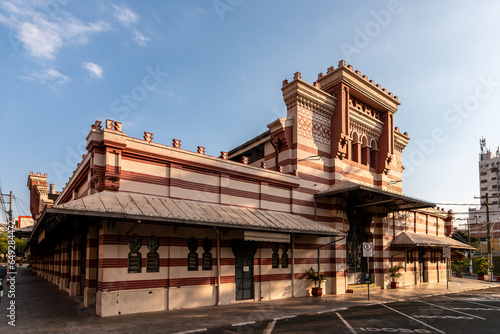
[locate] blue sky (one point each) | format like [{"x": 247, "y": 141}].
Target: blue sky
[{"x": 210, "y": 72}]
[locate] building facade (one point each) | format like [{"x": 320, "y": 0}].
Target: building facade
[
  {"x": 489, "y": 184},
  {"x": 143, "y": 226}
]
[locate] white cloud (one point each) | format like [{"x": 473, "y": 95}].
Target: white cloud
[
  {"x": 43, "y": 36},
  {"x": 128, "y": 18},
  {"x": 140, "y": 38},
  {"x": 94, "y": 69},
  {"x": 125, "y": 15},
  {"x": 47, "y": 76}
]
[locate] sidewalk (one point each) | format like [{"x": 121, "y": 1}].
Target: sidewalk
[{"x": 43, "y": 308}]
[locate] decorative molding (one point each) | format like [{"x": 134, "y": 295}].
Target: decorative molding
[
  {"x": 364, "y": 108},
  {"x": 176, "y": 143},
  {"x": 313, "y": 126},
  {"x": 148, "y": 136},
  {"x": 201, "y": 150},
  {"x": 355, "y": 124}
]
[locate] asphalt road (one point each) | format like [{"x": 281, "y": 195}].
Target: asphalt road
[{"x": 472, "y": 312}]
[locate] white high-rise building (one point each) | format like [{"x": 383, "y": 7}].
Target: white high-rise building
[{"x": 489, "y": 186}]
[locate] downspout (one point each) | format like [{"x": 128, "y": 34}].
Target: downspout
[
  {"x": 293, "y": 262},
  {"x": 218, "y": 267}
]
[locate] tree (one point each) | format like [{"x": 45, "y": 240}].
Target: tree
[
  {"x": 462, "y": 236},
  {"x": 3, "y": 245}
]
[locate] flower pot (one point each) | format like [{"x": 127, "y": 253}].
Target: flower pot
[
  {"x": 458, "y": 274},
  {"x": 394, "y": 285},
  {"x": 317, "y": 292},
  {"x": 482, "y": 277}
]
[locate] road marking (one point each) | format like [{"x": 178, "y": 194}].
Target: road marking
[
  {"x": 243, "y": 323},
  {"x": 346, "y": 323},
  {"x": 270, "y": 327},
  {"x": 332, "y": 310},
  {"x": 467, "y": 301},
  {"x": 408, "y": 316},
  {"x": 193, "y": 331},
  {"x": 285, "y": 317},
  {"x": 450, "y": 309}
]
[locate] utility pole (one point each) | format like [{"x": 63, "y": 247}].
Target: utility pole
[
  {"x": 488, "y": 238},
  {"x": 10, "y": 219},
  {"x": 470, "y": 250}
]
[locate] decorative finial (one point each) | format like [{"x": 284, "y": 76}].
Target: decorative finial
[{"x": 148, "y": 136}]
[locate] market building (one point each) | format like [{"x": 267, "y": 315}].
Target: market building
[{"x": 143, "y": 226}]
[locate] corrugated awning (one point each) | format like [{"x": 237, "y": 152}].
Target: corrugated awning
[
  {"x": 376, "y": 197},
  {"x": 121, "y": 205},
  {"x": 409, "y": 239}
]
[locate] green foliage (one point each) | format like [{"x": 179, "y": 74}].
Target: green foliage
[
  {"x": 460, "y": 265},
  {"x": 481, "y": 265},
  {"x": 20, "y": 244},
  {"x": 314, "y": 276},
  {"x": 394, "y": 273},
  {"x": 3, "y": 244}
]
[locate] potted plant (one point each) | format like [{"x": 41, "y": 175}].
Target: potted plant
[
  {"x": 458, "y": 267},
  {"x": 317, "y": 279},
  {"x": 394, "y": 274},
  {"x": 482, "y": 269}
]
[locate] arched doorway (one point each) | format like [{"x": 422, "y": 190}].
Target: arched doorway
[{"x": 359, "y": 220}]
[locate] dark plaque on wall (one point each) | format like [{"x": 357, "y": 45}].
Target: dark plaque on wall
[
  {"x": 153, "y": 262},
  {"x": 134, "y": 262}
]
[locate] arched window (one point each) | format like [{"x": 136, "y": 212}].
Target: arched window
[
  {"x": 275, "y": 257},
  {"x": 356, "y": 147},
  {"x": 284, "y": 256},
  {"x": 207, "y": 255},
  {"x": 134, "y": 257},
  {"x": 153, "y": 259},
  {"x": 373, "y": 154},
  {"x": 192, "y": 256},
  {"x": 365, "y": 151}
]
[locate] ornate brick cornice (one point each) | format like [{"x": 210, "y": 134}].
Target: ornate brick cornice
[
  {"x": 300, "y": 93},
  {"x": 400, "y": 140},
  {"x": 363, "y": 124}
]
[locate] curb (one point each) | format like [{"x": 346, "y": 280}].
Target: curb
[{"x": 203, "y": 329}]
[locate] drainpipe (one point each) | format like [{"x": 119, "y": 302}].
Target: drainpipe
[
  {"x": 218, "y": 267},
  {"x": 293, "y": 263}
]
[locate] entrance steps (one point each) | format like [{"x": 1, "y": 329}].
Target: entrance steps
[{"x": 362, "y": 288}]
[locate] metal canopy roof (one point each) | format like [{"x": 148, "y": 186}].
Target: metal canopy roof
[
  {"x": 121, "y": 205},
  {"x": 376, "y": 197},
  {"x": 409, "y": 239}
]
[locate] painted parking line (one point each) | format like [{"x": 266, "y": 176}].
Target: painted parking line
[
  {"x": 332, "y": 310},
  {"x": 270, "y": 327},
  {"x": 468, "y": 301},
  {"x": 193, "y": 331},
  {"x": 346, "y": 323},
  {"x": 243, "y": 323},
  {"x": 414, "y": 319},
  {"x": 452, "y": 310}
]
